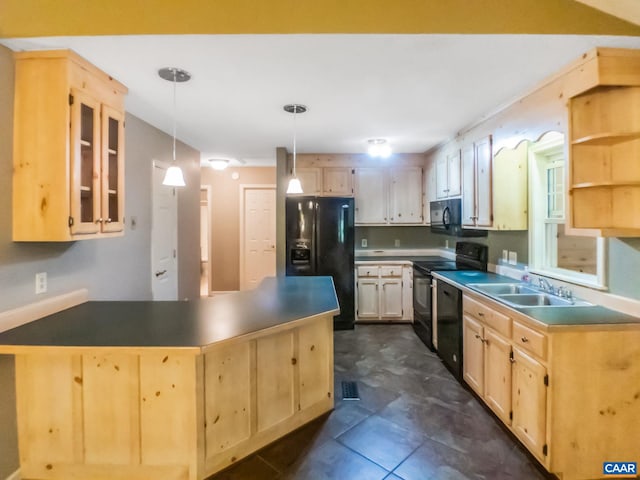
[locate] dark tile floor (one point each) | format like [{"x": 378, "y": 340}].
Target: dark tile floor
[{"x": 413, "y": 422}]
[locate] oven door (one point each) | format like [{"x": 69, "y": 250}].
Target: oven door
[{"x": 422, "y": 315}]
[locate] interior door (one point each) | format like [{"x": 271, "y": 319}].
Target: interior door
[
  {"x": 164, "y": 239},
  {"x": 259, "y": 238}
]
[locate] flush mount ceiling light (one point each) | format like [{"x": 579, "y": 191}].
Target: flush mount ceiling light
[
  {"x": 218, "y": 163},
  {"x": 174, "y": 176},
  {"x": 294, "y": 182},
  {"x": 379, "y": 147}
]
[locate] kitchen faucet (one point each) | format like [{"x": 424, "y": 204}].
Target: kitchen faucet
[{"x": 545, "y": 285}]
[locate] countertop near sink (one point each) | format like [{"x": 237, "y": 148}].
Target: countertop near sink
[
  {"x": 549, "y": 315},
  {"x": 396, "y": 258}
]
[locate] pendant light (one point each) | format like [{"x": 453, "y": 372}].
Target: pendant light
[
  {"x": 174, "y": 176},
  {"x": 294, "y": 182}
]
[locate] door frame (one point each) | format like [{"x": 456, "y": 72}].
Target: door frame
[
  {"x": 209, "y": 191},
  {"x": 164, "y": 166},
  {"x": 243, "y": 188}
]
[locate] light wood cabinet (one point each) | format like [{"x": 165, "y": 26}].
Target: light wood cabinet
[
  {"x": 555, "y": 389},
  {"x": 337, "y": 181},
  {"x": 370, "y": 190},
  {"x": 511, "y": 382},
  {"x": 476, "y": 184},
  {"x": 382, "y": 294},
  {"x": 388, "y": 196},
  {"x": 473, "y": 354},
  {"x": 486, "y": 358},
  {"x": 530, "y": 402},
  {"x": 604, "y": 166},
  {"x": 448, "y": 175},
  {"x": 405, "y": 195},
  {"x": 183, "y": 412},
  {"x": 311, "y": 180},
  {"x": 510, "y": 189},
  {"x": 68, "y": 179}
]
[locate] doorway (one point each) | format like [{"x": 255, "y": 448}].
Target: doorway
[
  {"x": 164, "y": 237},
  {"x": 206, "y": 281},
  {"x": 257, "y": 234}
]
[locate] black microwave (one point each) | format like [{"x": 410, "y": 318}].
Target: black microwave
[{"x": 446, "y": 218}]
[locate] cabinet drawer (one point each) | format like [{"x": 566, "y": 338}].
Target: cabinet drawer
[
  {"x": 499, "y": 322},
  {"x": 391, "y": 271},
  {"x": 368, "y": 271},
  {"x": 496, "y": 320},
  {"x": 529, "y": 339}
]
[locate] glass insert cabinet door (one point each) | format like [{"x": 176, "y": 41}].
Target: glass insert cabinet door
[
  {"x": 85, "y": 164},
  {"x": 112, "y": 205}
]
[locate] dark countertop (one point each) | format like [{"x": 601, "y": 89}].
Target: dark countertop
[
  {"x": 180, "y": 324},
  {"x": 549, "y": 316},
  {"x": 397, "y": 258}
]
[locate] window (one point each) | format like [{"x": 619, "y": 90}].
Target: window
[{"x": 553, "y": 252}]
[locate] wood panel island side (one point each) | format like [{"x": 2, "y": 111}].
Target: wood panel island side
[{"x": 171, "y": 390}]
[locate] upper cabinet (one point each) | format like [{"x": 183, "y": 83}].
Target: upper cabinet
[
  {"x": 448, "y": 182},
  {"x": 604, "y": 173},
  {"x": 311, "y": 180},
  {"x": 405, "y": 195},
  {"x": 370, "y": 189},
  {"x": 68, "y": 149},
  {"x": 337, "y": 181},
  {"x": 476, "y": 184},
  {"x": 604, "y": 147},
  {"x": 388, "y": 196}
]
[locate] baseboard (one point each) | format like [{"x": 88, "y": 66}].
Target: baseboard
[{"x": 14, "y": 476}]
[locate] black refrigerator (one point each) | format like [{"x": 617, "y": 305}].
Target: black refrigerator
[{"x": 320, "y": 241}]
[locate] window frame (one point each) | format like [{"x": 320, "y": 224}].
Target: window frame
[{"x": 541, "y": 157}]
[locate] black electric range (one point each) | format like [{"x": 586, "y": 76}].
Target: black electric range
[{"x": 469, "y": 256}]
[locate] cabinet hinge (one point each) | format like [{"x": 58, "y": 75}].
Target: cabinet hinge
[
  {"x": 546, "y": 380},
  {"x": 511, "y": 415},
  {"x": 71, "y": 221},
  {"x": 70, "y": 99},
  {"x": 544, "y": 449}
]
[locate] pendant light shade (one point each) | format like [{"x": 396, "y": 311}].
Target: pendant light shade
[
  {"x": 174, "y": 176},
  {"x": 294, "y": 187}
]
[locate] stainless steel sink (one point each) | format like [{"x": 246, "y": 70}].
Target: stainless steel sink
[
  {"x": 502, "y": 288},
  {"x": 524, "y": 295}
]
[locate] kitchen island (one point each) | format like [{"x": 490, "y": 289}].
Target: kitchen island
[{"x": 171, "y": 390}]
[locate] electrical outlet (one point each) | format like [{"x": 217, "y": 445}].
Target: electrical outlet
[
  {"x": 41, "y": 282},
  {"x": 364, "y": 243},
  {"x": 397, "y": 243},
  {"x": 505, "y": 255},
  {"x": 513, "y": 258}
]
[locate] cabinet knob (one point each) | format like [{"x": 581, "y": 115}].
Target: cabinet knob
[
  {"x": 108, "y": 220},
  {"x": 99, "y": 220},
  {"x": 480, "y": 314},
  {"x": 524, "y": 339}
]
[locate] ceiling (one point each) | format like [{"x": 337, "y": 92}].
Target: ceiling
[{"x": 416, "y": 90}]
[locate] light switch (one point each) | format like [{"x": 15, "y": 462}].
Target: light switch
[
  {"x": 505, "y": 255},
  {"x": 513, "y": 258},
  {"x": 364, "y": 243}
]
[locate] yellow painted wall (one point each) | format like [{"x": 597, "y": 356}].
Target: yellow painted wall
[{"x": 28, "y": 18}]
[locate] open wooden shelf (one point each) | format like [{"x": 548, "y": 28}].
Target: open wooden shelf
[{"x": 606, "y": 138}]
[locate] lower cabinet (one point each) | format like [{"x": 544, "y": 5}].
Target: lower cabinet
[
  {"x": 381, "y": 293},
  {"x": 570, "y": 394},
  {"x": 511, "y": 381}
]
